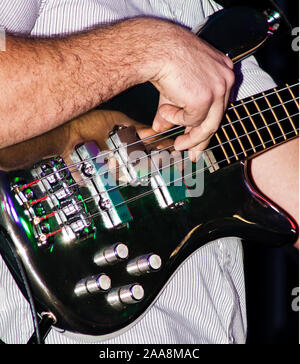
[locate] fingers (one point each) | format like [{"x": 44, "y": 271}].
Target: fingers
[
  {"x": 201, "y": 122},
  {"x": 204, "y": 131},
  {"x": 200, "y": 126},
  {"x": 174, "y": 115},
  {"x": 197, "y": 138},
  {"x": 195, "y": 86},
  {"x": 160, "y": 124}
]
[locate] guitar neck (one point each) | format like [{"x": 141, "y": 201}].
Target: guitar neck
[{"x": 255, "y": 124}]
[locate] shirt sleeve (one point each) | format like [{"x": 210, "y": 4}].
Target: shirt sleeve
[
  {"x": 19, "y": 16},
  {"x": 250, "y": 79}
]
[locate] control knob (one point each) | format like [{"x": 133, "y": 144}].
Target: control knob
[
  {"x": 126, "y": 295},
  {"x": 112, "y": 255},
  {"x": 144, "y": 264},
  {"x": 93, "y": 284}
]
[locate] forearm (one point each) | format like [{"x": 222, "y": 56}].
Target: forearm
[
  {"x": 61, "y": 141},
  {"x": 45, "y": 83}
]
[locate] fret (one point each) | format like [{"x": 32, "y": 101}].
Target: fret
[
  {"x": 239, "y": 130},
  {"x": 254, "y": 125},
  {"x": 293, "y": 96},
  {"x": 271, "y": 131},
  {"x": 274, "y": 115},
  {"x": 215, "y": 154},
  {"x": 210, "y": 160},
  {"x": 223, "y": 148},
  {"x": 236, "y": 134},
  {"x": 243, "y": 126},
  {"x": 264, "y": 120},
  {"x": 259, "y": 132},
  {"x": 279, "y": 111},
  {"x": 286, "y": 111},
  {"x": 230, "y": 143}
]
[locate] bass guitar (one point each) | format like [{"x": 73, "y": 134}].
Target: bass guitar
[{"x": 98, "y": 243}]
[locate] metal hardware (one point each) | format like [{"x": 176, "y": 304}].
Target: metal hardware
[
  {"x": 52, "y": 205},
  {"x": 142, "y": 167},
  {"x": 273, "y": 18},
  {"x": 131, "y": 294},
  {"x": 87, "y": 169},
  {"x": 145, "y": 264},
  {"x": 112, "y": 255},
  {"x": 47, "y": 321},
  {"x": 130, "y": 153},
  {"x": 126, "y": 295},
  {"x": 101, "y": 182},
  {"x": 93, "y": 284}
]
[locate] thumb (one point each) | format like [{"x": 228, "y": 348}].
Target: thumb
[
  {"x": 160, "y": 123},
  {"x": 167, "y": 116},
  {"x": 173, "y": 115}
]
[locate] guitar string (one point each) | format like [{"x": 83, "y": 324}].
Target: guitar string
[
  {"x": 81, "y": 163},
  {"x": 187, "y": 158},
  {"x": 182, "y": 127},
  {"x": 116, "y": 169},
  {"x": 221, "y": 126},
  {"x": 142, "y": 195},
  {"x": 107, "y": 153},
  {"x": 90, "y": 217},
  {"x": 261, "y": 97},
  {"x": 120, "y": 186},
  {"x": 159, "y": 151}
]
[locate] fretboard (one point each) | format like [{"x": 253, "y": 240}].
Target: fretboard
[{"x": 255, "y": 124}]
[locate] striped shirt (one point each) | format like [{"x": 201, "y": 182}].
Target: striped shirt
[{"x": 205, "y": 300}]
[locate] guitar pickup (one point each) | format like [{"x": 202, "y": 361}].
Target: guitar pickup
[
  {"x": 143, "y": 166},
  {"x": 167, "y": 181},
  {"x": 131, "y": 155}
]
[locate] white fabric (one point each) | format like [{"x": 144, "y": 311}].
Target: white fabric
[{"x": 205, "y": 300}]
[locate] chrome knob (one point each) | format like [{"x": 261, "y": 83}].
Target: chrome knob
[
  {"x": 126, "y": 295},
  {"x": 93, "y": 284},
  {"x": 131, "y": 293},
  {"x": 112, "y": 255},
  {"x": 145, "y": 264}
]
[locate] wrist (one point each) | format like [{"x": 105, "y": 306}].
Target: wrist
[{"x": 151, "y": 42}]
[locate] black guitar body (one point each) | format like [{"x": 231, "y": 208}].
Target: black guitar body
[{"x": 230, "y": 206}]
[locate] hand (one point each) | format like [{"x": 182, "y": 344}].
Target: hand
[{"x": 195, "y": 85}]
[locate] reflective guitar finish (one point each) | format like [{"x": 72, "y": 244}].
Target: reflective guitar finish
[{"x": 57, "y": 269}]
